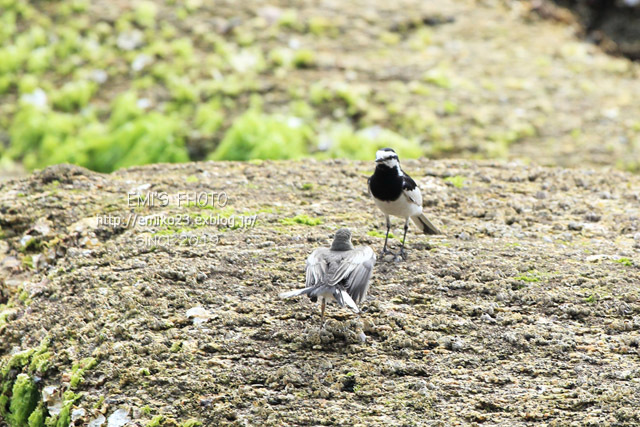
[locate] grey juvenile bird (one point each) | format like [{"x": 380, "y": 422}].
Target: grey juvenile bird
[
  {"x": 395, "y": 193},
  {"x": 340, "y": 273}
]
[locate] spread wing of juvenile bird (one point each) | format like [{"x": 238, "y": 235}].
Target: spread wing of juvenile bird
[
  {"x": 317, "y": 267},
  {"x": 344, "y": 274},
  {"x": 355, "y": 271}
]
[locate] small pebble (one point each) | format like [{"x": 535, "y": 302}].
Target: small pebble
[
  {"x": 464, "y": 236},
  {"x": 592, "y": 217},
  {"x": 575, "y": 226},
  {"x": 326, "y": 364},
  {"x": 540, "y": 195},
  {"x": 486, "y": 318},
  {"x": 362, "y": 337},
  {"x": 456, "y": 345}
]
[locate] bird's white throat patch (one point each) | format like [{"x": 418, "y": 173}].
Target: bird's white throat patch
[{"x": 389, "y": 159}]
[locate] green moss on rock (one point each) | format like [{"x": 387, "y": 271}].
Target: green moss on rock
[
  {"x": 79, "y": 369},
  {"x": 255, "y": 135},
  {"x": 24, "y": 400},
  {"x": 301, "y": 219},
  {"x": 64, "y": 419},
  {"x": 37, "y": 417},
  {"x": 17, "y": 361},
  {"x": 156, "y": 421}
]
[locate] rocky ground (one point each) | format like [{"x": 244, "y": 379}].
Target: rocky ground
[
  {"x": 474, "y": 79},
  {"x": 526, "y": 311}
]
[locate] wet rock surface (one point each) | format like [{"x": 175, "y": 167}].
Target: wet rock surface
[{"x": 526, "y": 311}]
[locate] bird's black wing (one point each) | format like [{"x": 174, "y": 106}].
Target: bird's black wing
[
  {"x": 407, "y": 182},
  {"x": 411, "y": 190},
  {"x": 355, "y": 271}
]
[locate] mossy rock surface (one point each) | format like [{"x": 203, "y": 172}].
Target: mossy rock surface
[{"x": 524, "y": 311}]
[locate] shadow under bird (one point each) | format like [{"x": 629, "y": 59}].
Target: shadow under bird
[
  {"x": 340, "y": 273},
  {"x": 396, "y": 194}
]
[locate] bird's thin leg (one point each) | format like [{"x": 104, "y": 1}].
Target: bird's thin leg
[
  {"x": 384, "y": 249},
  {"x": 322, "y": 314},
  {"x": 406, "y": 227}
]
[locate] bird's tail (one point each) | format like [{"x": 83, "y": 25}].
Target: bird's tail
[
  {"x": 295, "y": 293},
  {"x": 343, "y": 298},
  {"x": 424, "y": 224}
]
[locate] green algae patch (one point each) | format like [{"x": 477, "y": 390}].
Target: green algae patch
[
  {"x": 457, "y": 181},
  {"x": 530, "y": 277},
  {"x": 41, "y": 358},
  {"x": 24, "y": 399},
  {"x": 17, "y": 361},
  {"x": 19, "y": 396},
  {"x": 5, "y": 312},
  {"x": 301, "y": 219},
  {"x": 156, "y": 421},
  {"x": 64, "y": 418},
  {"x": 625, "y": 261},
  {"x": 79, "y": 369},
  {"x": 38, "y": 416},
  {"x": 380, "y": 235},
  {"x": 255, "y": 135}
]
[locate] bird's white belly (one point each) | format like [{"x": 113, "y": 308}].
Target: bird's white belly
[{"x": 401, "y": 207}]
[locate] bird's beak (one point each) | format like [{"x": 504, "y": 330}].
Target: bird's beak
[{"x": 380, "y": 160}]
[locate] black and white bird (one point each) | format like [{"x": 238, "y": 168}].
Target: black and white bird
[
  {"x": 340, "y": 273},
  {"x": 396, "y": 194}
]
